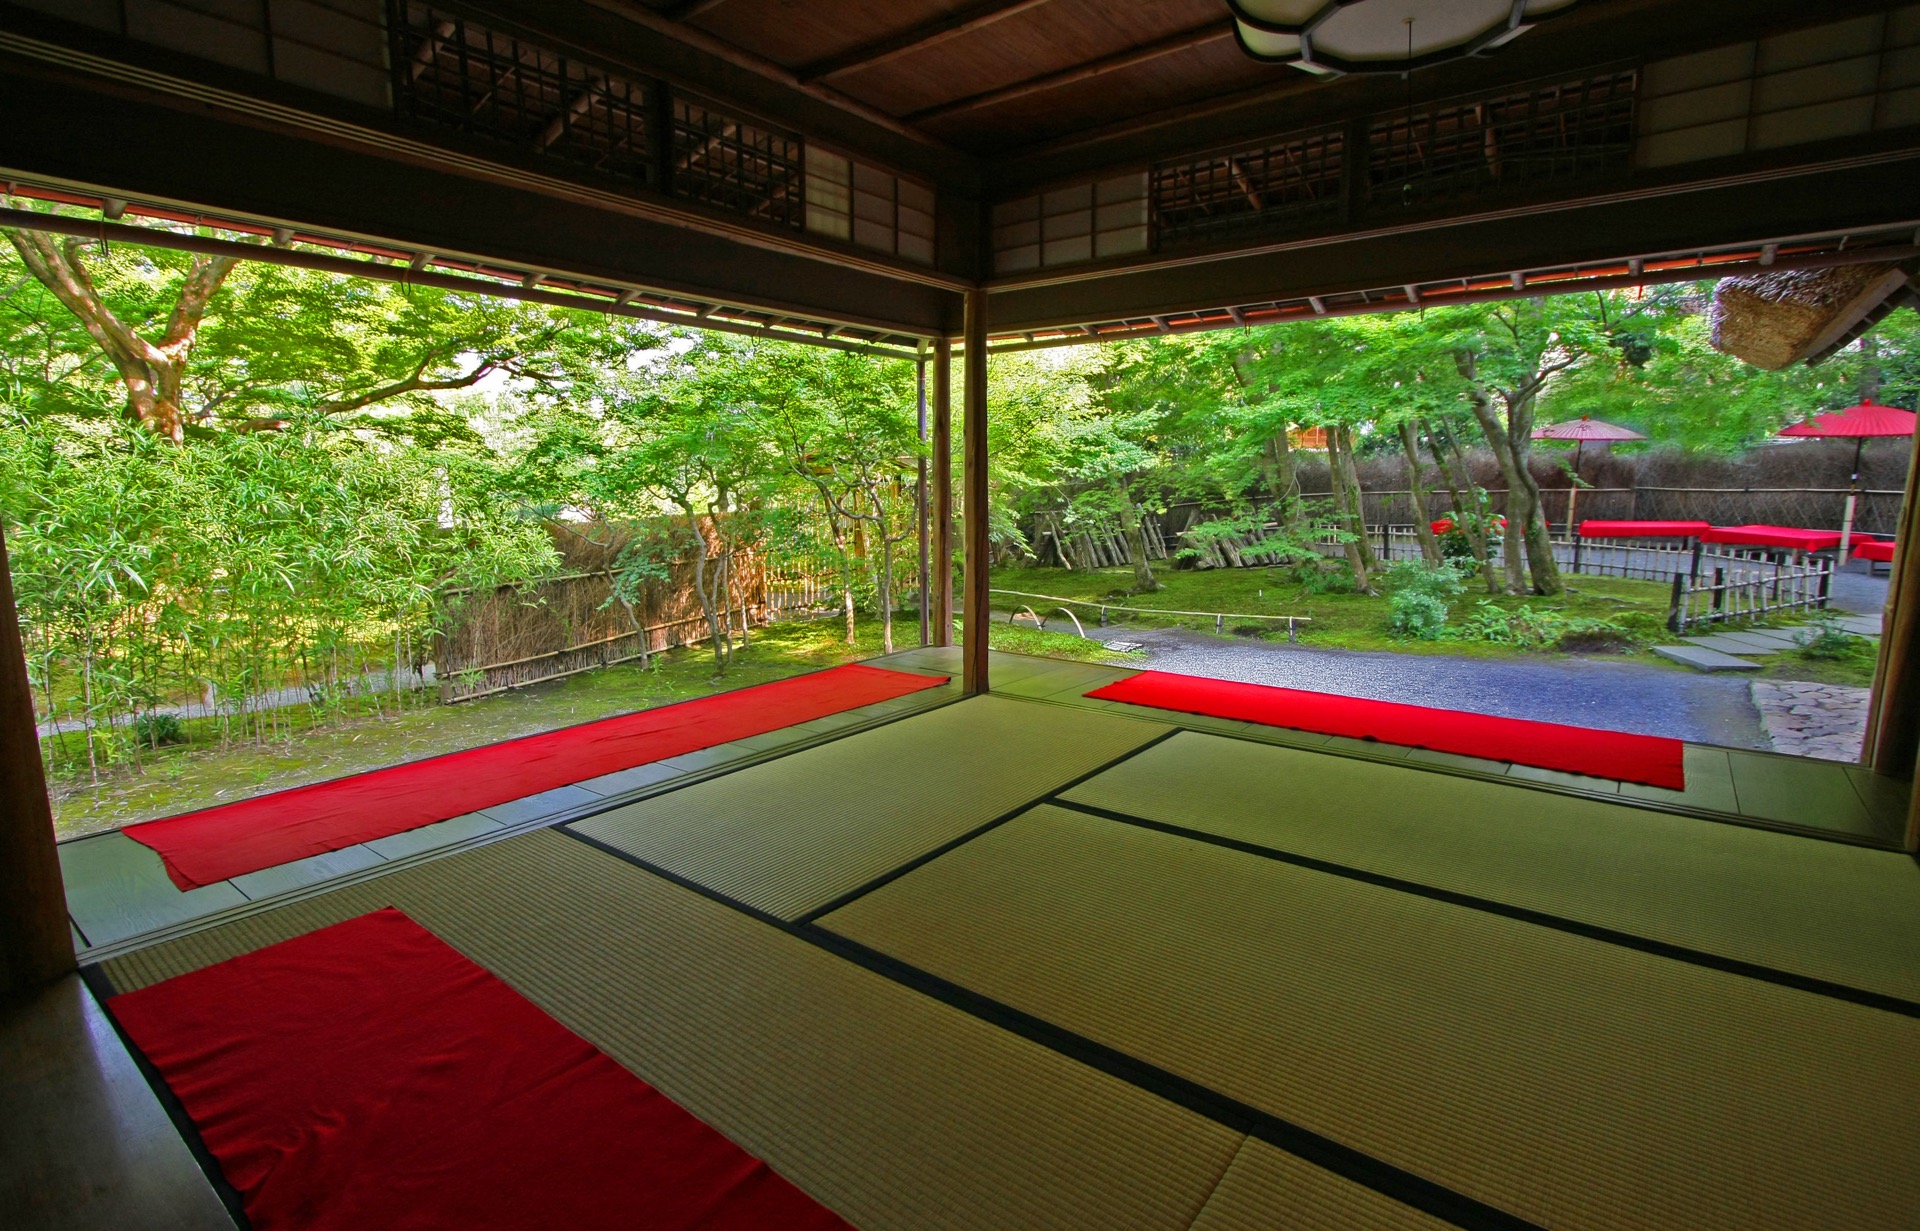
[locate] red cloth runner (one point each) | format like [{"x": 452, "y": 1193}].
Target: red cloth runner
[
  {"x": 1874, "y": 549},
  {"x": 201, "y": 848},
  {"x": 1784, "y": 537},
  {"x": 1651, "y": 759},
  {"x": 1643, "y": 529},
  {"x": 368, "y": 1076}
]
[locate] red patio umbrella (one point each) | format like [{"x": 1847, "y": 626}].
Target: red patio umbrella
[
  {"x": 1580, "y": 431},
  {"x": 1862, "y": 423}
]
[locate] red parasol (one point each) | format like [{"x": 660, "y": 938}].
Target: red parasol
[
  {"x": 1580, "y": 431},
  {"x": 1860, "y": 423},
  {"x": 1588, "y": 428}
]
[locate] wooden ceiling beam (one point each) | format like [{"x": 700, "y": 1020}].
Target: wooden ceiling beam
[
  {"x": 694, "y": 8},
  {"x": 1186, "y": 40},
  {"x": 932, "y": 34}
]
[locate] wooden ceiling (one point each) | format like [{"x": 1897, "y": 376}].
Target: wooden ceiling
[{"x": 988, "y": 76}]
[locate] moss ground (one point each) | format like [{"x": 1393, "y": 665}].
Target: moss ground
[{"x": 1339, "y": 621}]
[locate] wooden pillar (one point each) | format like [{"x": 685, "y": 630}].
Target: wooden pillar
[
  {"x": 35, "y": 945},
  {"x": 942, "y": 492},
  {"x": 920, "y": 500},
  {"x": 1893, "y": 708},
  {"x": 973, "y": 469}
]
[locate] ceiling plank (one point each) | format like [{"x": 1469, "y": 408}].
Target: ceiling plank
[
  {"x": 694, "y": 8},
  {"x": 932, "y": 34},
  {"x": 1186, "y": 40}
]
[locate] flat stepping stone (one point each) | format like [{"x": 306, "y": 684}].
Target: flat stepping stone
[
  {"x": 1783, "y": 637},
  {"x": 1861, "y": 626},
  {"x": 1725, "y": 643},
  {"x": 1702, "y": 659},
  {"x": 1755, "y": 643}
]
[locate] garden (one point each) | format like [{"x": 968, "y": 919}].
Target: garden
[{"x": 251, "y": 508}]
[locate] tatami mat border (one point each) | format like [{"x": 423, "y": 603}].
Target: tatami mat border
[{"x": 860, "y": 891}]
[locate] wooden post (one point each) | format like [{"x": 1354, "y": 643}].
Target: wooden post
[
  {"x": 35, "y": 945},
  {"x": 973, "y": 465},
  {"x": 942, "y": 492},
  {"x": 920, "y": 501},
  {"x": 1893, "y": 707}
]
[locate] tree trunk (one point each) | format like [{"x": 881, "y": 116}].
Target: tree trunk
[
  {"x": 1422, "y": 524},
  {"x": 1470, "y": 507},
  {"x": 884, "y": 587},
  {"x": 1347, "y": 499},
  {"x": 1513, "y": 540},
  {"x": 721, "y": 648},
  {"x": 1283, "y": 483},
  {"x": 150, "y": 372},
  {"x": 1136, "y": 536},
  {"x": 1541, "y": 566}
]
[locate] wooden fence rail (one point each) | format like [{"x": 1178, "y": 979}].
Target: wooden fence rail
[{"x": 1748, "y": 589}]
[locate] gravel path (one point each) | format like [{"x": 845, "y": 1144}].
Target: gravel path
[{"x": 1584, "y": 691}]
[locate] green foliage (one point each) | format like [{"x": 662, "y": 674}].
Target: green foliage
[
  {"x": 156, "y": 729},
  {"x": 1418, "y": 598},
  {"x": 1823, "y": 640},
  {"x": 1539, "y": 627},
  {"x": 1422, "y": 617}
]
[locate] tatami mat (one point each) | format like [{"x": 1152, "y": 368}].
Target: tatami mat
[
  {"x": 794, "y": 834},
  {"x": 1268, "y": 1189},
  {"x": 1569, "y": 1081},
  {"x": 1827, "y": 910},
  {"x": 893, "y": 1109}
]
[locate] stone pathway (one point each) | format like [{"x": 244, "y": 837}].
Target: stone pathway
[{"x": 1812, "y": 720}]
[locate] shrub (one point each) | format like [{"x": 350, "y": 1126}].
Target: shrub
[
  {"x": 1825, "y": 640},
  {"x": 153, "y": 730},
  {"x": 1417, "y": 607},
  {"x": 1538, "y": 627},
  {"x": 1422, "y": 617}
]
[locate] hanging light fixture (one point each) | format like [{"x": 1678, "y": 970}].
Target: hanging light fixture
[{"x": 1331, "y": 37}]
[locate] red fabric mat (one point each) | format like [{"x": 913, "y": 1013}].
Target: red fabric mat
[
  {"x": 368, "y": 1076},
  {"x": 1545, "y": 745},
  {"x": 1787, "y": 538},
  {"x": 1877, "y": 550},
  {"x": 201, "y": 848},
  {"x": 1643, "y": 529}
]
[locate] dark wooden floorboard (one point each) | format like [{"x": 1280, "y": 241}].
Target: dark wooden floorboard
[{"x": 84, "y": 1144}]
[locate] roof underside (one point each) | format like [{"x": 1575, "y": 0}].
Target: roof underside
[{"x": 1103, "y": 170}]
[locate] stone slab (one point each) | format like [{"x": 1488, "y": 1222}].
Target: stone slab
[{"x": 1702, "y": 659}]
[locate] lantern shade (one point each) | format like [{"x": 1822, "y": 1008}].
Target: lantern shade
[
  {"x": 1331, "y": 37},
  {"x": 1585, "y": 428},
  {"x": 1864, "y": 421}
]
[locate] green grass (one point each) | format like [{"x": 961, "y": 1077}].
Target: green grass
[
  {"x": 1047, "y": 643},
  {"x": 1855, "y": 670},
  {"x": 1339, "y": 621},
  {"x": 198, "y": 775}
]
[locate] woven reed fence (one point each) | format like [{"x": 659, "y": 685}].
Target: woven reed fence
[
  {"x": 566, "y": 624},
  {"x": 1813, "y": 508}
]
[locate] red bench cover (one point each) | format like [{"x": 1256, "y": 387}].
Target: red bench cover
[
  {"x": 1445, "y": 525},
  {"x": 1874, "y": 549},
  {"x": 1643, "y": 529},
  {"x": 1784, "y": 537},
  {"x": 1651, "y": 759},
  {"x": 214, "y": 844},
  {"x": 369, "y": 1077}
]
